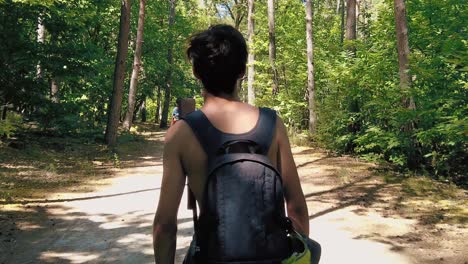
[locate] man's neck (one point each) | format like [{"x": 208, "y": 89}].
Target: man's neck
[{"x": 221, "y": 98}]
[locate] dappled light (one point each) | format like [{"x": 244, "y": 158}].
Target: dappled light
[
  {"x": 371, "y": 96},
  {"x": 353, "y": 213}
]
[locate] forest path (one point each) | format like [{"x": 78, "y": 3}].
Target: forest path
[{"x": 351, "y": 215}]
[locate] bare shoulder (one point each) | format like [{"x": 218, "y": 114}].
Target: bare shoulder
[{"x": 178, "y": 135}]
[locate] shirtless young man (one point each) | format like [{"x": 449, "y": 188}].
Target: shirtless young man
[{"x": 218, "y": 56}]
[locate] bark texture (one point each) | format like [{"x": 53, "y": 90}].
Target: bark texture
[
  {"x": 403, "y": 52},
  {"x": 310, "y": 66},
  {"x": 168, "y": 88},
  {"x": 127, "y": 124},
  {"x": 351, "y": 23},
  {"x": 251, "y": 57},
  {"x": 119, "y": 75},
  {"x": 272, "y": 44}
]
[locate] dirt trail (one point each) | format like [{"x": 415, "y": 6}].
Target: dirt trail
[{"x": 348, "y": 207}]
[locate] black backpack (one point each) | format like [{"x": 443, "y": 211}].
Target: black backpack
[{"x": 242, "y": 218}]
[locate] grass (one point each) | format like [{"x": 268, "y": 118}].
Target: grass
[
  {"x": 430, "y": 201},
  {"x": 33, "y": 164}
]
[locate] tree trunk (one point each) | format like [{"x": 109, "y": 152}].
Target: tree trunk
[
  {"x": 351, "y": 24},
  {"x": 143, "y": 110},
  {"x": 272, "y": 44},
  {"x": 137, "y": 111},
  {"x": 127, "y": 124},
  {"x": 40, "y": 40},
  {"x": 167, "y": 92},
  {"x": 158, "y": 105},
  {"x": 54, "y": 90},
  {"x": 342, "y": 12},
  {"x": 4, "y": 108},
  {"x": 310, "y": 66},
  {"x": 251, "y": 57},
  {"x": 403, "y": 52},
  {"x": 119, "y": 75}
]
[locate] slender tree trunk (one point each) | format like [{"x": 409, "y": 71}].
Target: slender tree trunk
[
  {"x": 119, "y": 75},
  {"x": 310, "y": 65},
  {"x": 403, "y": 52},
  {"x": 158, "y": 105},
  {"x": 127, "y": 124},
  {"x": 351, "y": 24},
  {"x": 54, "y": 90},
  {"x": 137, "y": 111},
  {"x": 4, "y": 107},
  {"x": 272, "y": 44},
  {"x": 167, "y": 92},
  {"x": 342, "y": 13},
  {"x": 358, "y": 14},
  {"x": 251, "y": 57},
  {"x": 143, "y": 110},
  {"x": 40, "y": 40}
]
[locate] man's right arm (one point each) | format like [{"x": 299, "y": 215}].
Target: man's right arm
[
  {"x": 295, "y": 201},
  {"x": 172, "y": 188}
]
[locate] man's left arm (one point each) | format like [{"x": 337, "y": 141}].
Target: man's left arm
[{"x": 172, "y": 187}]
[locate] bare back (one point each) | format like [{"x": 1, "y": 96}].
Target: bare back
[{"x": 236, "y": 118}]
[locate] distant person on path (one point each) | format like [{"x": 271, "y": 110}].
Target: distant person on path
[
  {"x": 220, "y": 148},
  {"x": 175, "y": 113}
]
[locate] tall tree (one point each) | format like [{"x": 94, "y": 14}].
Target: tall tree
[
  {"x": 119, "y": 75},
  {"x": 310, "y": 65},
  {"x": 272, "y": 44},
  {"x": 168, "y": 88},
  {"x": 351, "y": 23},
  {"x": 127, "y": 124},
  {"x": 143, "y": 110},
  {"x": 158, "y": 105},
  {"x": 403, "y": 52},
  {"x": 251, "y": 57},
  {"x": 40, "y": 41},
  {"x": 342, "y": 26}
]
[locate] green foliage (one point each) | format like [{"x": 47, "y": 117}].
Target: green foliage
[
  {"x": 358, "y": 99},
  {"x": 10, "y": 124}
]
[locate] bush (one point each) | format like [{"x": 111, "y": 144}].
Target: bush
[{"x": 10, "y": 124}]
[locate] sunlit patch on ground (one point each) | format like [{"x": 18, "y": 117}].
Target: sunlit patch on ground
[{"x": 70, "y": 257}]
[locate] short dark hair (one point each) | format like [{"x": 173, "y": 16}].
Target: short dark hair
[{"x": 219, "y": 57}]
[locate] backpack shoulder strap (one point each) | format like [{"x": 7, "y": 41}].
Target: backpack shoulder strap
[
  {"x": 265, "y": 130},
  {"x": 211, "y": 138},
  {"x": 200, "y": 126}
]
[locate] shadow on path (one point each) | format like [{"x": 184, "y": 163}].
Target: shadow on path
[{"x": 75, "y": 199}]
